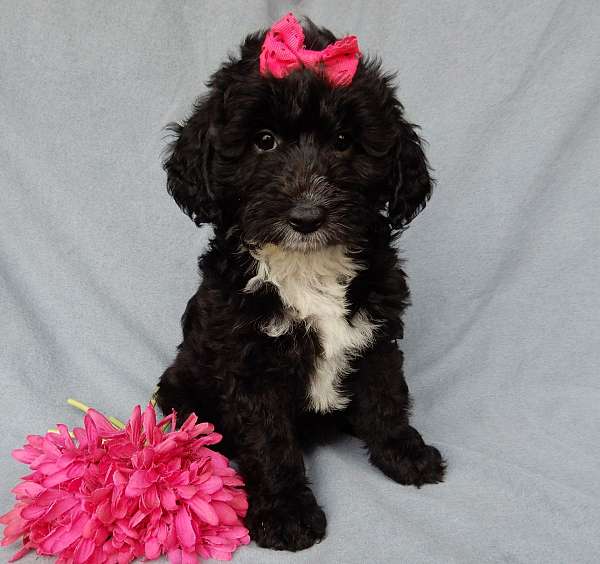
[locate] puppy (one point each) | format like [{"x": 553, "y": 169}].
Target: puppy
[{"x": 301, "y": 158}]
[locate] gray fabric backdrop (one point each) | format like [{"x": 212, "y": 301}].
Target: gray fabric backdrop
[{"x": 502, "y": 341}]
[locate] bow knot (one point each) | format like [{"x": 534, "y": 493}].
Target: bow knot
[{"x": 283, "y": 51}]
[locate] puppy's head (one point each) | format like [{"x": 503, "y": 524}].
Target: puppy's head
[{"x": 295, "y": 161}]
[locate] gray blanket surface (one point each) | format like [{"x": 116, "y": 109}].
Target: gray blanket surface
[{"x": 502, "y": 340}]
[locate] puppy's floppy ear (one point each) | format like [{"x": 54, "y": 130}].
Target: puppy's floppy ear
[
  {"x": 411, "y": 182},
  {"x": 188, "y": 166}
]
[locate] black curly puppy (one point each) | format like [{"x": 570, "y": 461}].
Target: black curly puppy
[{"x": 293, "y": 329}]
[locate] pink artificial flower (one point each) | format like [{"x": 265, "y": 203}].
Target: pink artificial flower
[{"x": 113, "y": 495}]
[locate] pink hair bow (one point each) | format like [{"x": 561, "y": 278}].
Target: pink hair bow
[{"x": 283, "y": 51}]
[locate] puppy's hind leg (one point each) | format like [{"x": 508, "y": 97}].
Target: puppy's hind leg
[{"x": 379, "y": 414}]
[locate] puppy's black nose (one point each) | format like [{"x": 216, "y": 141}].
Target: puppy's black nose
[{"x": 306, "y": 218}]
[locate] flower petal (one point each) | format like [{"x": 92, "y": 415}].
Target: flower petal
[
  {"x": 33, "y": 511},
  {"x": 152, "y": 548},
  {"x": 211, "y": 485},
  {"x": 203, "y": 510},
  {"x": 150, "y": 499},
  {"x": 137, "y": 519},
  {"x": 168, "y": 499},
  {"x": 91, "y": 432},
  {"x": 189, "y": 423},
  {"x": 149, "y": 422},
  {"x": 104, "y": 513},
  {"x": 134, "y": 425},
  {"x": 183, "y": 527},
  {"x": 103, "y": 426},
  {"x": 171, "y": 420},
  {"x": 85, "y": 549},
  {"x": 62, "y": 538},
  {"x": 25, "y": 455},
  {"x": 227, "y": 515},
  {"x": 119, "y": 479},
  {"x": 187, "y": 492},
  {"x": 165, "y": 446},
  {"x": 240, "y": 503},
  {"x": 20, "y": 553},
  {"x": 27, "y": 489},
  {"x": 219, "y": 554},
  {"x": 238, "y": 532},
  {"x": 66, "y": 437},
  {"x": 138, "y": 482},
  {"x": 189, "y": 557}
]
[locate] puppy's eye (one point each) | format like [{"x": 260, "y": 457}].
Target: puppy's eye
[
  {"x": 265, "y": 141},
  {"x": 342, "y": 142}
]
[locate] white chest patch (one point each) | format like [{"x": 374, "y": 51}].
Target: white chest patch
[{"x": 312, "y": 286}]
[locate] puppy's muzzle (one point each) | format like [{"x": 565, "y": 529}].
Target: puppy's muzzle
[{"x": 306, "y": 217}]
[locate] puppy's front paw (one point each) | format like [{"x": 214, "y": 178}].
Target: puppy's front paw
[
  {"x": 292, "y": 521},
  {"x": 418, "y": 465}
]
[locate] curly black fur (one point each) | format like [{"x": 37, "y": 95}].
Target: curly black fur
[{"x": 229, "y": 370}]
